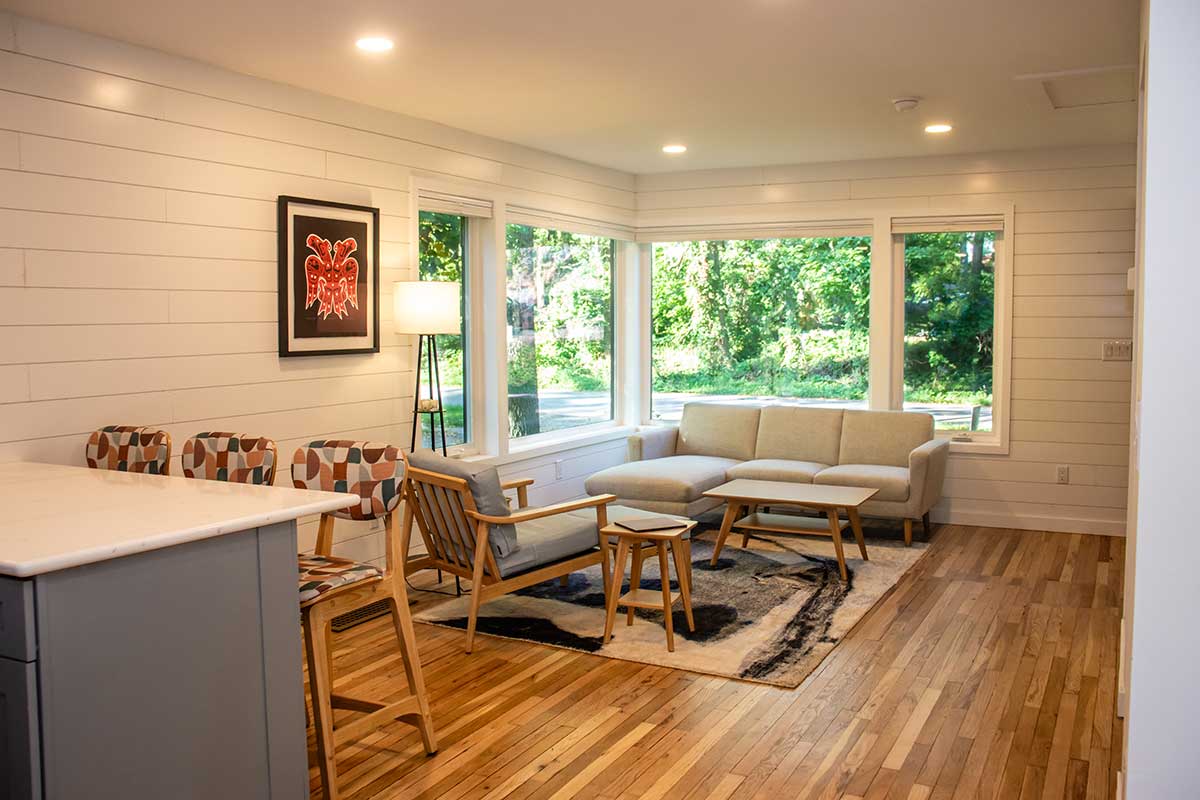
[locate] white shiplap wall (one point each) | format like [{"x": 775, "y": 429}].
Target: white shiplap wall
[
  {"x": 137, "y": 265},
  {"x": 1073, "y": 244},
  {"x": 137, "y": 249}
]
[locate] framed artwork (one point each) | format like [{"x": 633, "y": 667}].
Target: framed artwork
[{"x": 328, "y": 278}]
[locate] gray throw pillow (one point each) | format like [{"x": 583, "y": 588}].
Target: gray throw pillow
[{"x": 484, "y": 483}]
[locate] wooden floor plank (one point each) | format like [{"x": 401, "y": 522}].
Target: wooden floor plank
[{"x": 989, "y": 672}]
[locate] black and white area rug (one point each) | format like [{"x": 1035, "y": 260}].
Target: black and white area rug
[{"x": 768, "y": 614}]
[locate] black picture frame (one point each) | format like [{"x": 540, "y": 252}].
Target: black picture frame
[{"x": 325, "y": 337}]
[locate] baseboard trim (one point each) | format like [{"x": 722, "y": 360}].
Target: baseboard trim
[{"x": 1028, "y": 523}]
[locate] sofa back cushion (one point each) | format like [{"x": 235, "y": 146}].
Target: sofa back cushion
[
  {"x": 799, "y": 434},
  {"x": 883, "y": 437},
  {"x": 715, "y": 429}
]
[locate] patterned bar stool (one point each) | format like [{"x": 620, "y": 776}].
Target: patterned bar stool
[
  {"x": 129, "y": 448},
  {"x": 233, "y": 457},
  {"x": 330, "y": 586}
]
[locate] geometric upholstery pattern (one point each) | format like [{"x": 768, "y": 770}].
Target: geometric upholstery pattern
[
  {"x": 370, "y": 470},
  {"x": 129, "y": 448},
  {"x": 233, "y": 457},
  {"x": 323, "y": 574}
]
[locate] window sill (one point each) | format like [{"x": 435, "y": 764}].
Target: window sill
[
  {"x": 557, "y": 444},
  {"x": 984, "y": 447}
]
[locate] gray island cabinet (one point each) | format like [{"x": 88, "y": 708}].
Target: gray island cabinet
[{"x": 150, "y": 636}]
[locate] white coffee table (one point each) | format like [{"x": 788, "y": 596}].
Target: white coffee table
[{"x": 833, "y": 500}]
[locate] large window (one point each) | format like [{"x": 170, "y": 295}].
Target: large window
[
  {"x": 761, "y": 318},
  {"x": 560, "y": 311},
  {"x": 443, "y": 257},
  {"x": 949, "y": 327}
]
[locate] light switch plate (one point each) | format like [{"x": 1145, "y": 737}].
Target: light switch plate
[{"x": 1116, "y": 350}]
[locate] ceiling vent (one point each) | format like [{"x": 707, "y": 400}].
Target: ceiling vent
[{"x": 1087, "y": 88}]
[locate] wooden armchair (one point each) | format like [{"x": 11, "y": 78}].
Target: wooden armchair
[{"x": 551, "y": 542}]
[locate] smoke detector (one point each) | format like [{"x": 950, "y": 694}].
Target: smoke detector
[{"x": 903, "y": 104}]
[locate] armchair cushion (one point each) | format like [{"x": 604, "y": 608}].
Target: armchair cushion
[
  {"x": 892, "y": 482},
  {"x": 550, "y": 539},
  {"x": 483, "y": 481}
]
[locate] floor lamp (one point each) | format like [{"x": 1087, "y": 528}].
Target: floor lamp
[{"x": 425, "y": 309}]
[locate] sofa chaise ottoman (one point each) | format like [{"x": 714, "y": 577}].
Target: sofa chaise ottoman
[{"x": 670, "y": 467}]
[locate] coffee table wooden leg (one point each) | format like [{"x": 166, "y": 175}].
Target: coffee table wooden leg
[
  {"x": 731, "y": 512},
  {"x": 665, "y": 572},
  {"x": 635, "y": 576},
  {"x": 614, "y": 587},
  {"x": 750, "y": 509},
  {"x": 678, "y": 549},
  {"x": 856, "y": 526},
  {"x": 835, "y": 528}
]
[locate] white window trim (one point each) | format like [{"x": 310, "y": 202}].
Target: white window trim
[
  {"x": 484, "y": 199},
  {"x": 538, "y": 442},
  {"x": 886, "y": 347},
  {"x": 997, "y": 441}
]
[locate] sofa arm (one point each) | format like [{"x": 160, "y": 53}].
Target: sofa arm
[
  {"x": 653, "y": 441},
  {"x": 927, "y": 471}
]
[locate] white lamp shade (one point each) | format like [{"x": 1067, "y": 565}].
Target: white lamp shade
[{"x": 427, "y": 307}]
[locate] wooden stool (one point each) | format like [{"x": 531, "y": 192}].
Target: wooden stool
[
  {"x": 661, "y": 541},
  {"x": 331, "y": 586}
]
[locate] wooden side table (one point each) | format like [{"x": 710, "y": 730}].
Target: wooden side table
[{"x": 637, "y": 542}]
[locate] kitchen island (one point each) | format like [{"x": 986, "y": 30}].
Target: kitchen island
[{"x": 149, "y": 636}]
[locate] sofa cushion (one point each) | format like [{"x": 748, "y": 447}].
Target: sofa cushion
[
  {"x": 892, "y": 482},
  {"x": 882, "y": 437},
  {"x": 777, "y": 469},
  {"x": 677, "y": 479},
  {"x": 484, "y": 484},
  {"x": 717, "y": 429},
  {"x": 803, "y": 434},
  {"x": 549, "y": 539}
]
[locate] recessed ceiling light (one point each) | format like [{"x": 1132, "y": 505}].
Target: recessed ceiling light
[
  {"x": 375, "y": 44},
  {"x": 674, "y": 149},
  {"x": 939, "y": 127}
]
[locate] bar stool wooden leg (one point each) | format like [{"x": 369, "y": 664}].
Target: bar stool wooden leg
[
  {"x": 614, "y": 589},
  {"x": 685, "y": 591},
  {"x": 635, "y": 577},
  {"x": 402, "y": 620},
  {"x": 665, "y": 572},
  {"x": 687, "y": 557},
  {"x": 321, "y": 687}
]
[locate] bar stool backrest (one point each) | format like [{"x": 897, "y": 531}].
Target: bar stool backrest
[
  {"x": 232, "y": 457},
  {"x": 129, "y": 448}
]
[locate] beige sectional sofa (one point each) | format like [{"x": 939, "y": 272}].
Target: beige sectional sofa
[{"x": 670, "y": 467}]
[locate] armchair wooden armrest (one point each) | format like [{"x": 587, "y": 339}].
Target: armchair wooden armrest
[
  {"x": 598, "y": 502},
  {"x": 522, "y": 486}
]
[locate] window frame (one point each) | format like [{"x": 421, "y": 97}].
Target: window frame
[
  {"x": 997, "y": 441},
  {"x": 472, "y": 275},
  {"x": 886, "y": 353},
  {"x": 618, "y": 266},
  {"x": 856, "y": 228}
]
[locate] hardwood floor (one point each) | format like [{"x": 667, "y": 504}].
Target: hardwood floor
[{"x": 990, "y": 672}]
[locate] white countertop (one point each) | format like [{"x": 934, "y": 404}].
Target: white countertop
[{"x": 54, "y": 517}]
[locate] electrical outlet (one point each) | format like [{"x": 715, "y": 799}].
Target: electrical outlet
[
  {"x": 1063, "y": 474},
  {"x": 1116, "y": 350}
]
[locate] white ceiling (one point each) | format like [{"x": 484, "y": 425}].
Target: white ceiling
[{"x": 741, "y": 82}]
